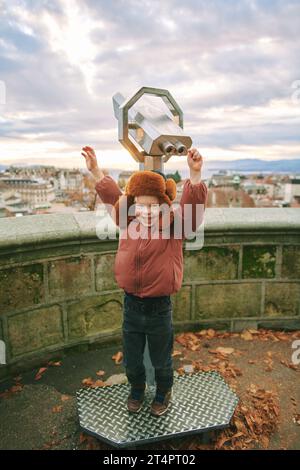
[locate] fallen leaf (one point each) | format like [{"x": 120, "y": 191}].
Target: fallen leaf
[
  {"x": 118, "y": 357},
  {"x": 225, "y": 350},
  {"x": 83, "y": 437},
  {"x": 265, "y": 441},
  {"x": 246, "y": 335},
  {"x": 57, "y": 409},
  {"x": 16, "y": 388},
  {"x": 211, "y": 333},
  {"x": 289, "y": 364},
  {"x": 41, "y": 371},
  {"x": 176, "y": 353},
  {"x": 88, "y": 381},
  {"x": 100, "y": 373},
  {"x": 98, "y": 383},
  {"x": 65, "y": 397},
  {"x": 296, "y": 419}
]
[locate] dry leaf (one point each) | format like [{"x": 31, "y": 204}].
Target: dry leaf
[
  {"x": 16, "y": 388},
  {"x": 118, "y": 357},
  {"x": 100, "y": 373},
  {"x": 265, "y": 441},
  {"x": 57, "y": 409},
  {"x": 296, "y": 419},
  {"x": 54, "y": 364},
  {"x": 289, "y": 364},
  {"x": 82, "y": 438},
  {"x": 88, "y": 381},
  {"x": 65, "y": 397},
  {"x": 41, "y": 371},
  {"x": 98, "y": 383},
  {"x": 211, "y": 333},
  {"x": 176, "y": 353},
  {"x": 246, "y": 335},
  {"x": 225, "y": 350}
]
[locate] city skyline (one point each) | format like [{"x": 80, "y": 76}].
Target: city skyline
[{"x": 232, "y": 66}]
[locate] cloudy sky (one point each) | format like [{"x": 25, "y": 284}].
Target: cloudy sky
[{"x": 233, "y": 66}]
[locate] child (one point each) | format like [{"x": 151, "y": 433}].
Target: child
[{"x": 149, "y": 269}]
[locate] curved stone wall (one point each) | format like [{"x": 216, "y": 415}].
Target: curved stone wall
[{"x": 57, "y": 289}]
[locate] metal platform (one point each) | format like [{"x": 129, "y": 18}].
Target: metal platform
[{"x": 200, "y": 402}]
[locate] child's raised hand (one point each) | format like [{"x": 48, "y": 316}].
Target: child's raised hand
[
  {"x": 90, "y": 158},
  {"x": 194, "y": 159}
]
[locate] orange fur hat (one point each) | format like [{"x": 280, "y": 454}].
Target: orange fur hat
[{"x": 147, "y": 183}]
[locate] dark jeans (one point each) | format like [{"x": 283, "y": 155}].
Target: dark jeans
[{"x": 151, "y": 317}]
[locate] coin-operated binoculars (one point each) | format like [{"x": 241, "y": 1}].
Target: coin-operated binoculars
[
  {"x": 201, "y": 401},
  {"x": 152, "y": 133}
]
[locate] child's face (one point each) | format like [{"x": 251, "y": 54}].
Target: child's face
[{"x": 147, "y": 209}]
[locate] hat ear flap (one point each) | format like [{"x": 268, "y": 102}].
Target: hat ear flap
[{"x": 171, "y": 188}]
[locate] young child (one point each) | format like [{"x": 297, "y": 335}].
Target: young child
[{"x": 149, "y": 269}]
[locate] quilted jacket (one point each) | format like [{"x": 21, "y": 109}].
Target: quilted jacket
[{"x": 152, "y": 267}]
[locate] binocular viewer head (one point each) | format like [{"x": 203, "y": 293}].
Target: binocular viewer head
[
  {"x": 168, "y": 148},
  {"x": 147, "y": 129}
]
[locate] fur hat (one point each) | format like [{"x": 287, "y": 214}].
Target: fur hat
[{"x": 147, "y": 183}]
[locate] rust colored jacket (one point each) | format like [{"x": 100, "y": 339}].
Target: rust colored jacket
[{"x": 149, "y": 267}]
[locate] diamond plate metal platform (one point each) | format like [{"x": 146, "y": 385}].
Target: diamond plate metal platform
[{"x": 200, "y": 402}]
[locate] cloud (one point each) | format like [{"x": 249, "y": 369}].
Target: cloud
[{"x": 230, "y": 65}]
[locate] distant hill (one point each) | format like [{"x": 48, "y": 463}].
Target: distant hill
[
  {"x": 255, "y": 164},
  {"x": 211, "y": 166}
]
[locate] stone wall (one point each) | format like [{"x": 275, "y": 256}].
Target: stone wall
[{"x": 57, "y": 289}]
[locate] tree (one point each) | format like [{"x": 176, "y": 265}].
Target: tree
[{"x": 175, "y": 176}]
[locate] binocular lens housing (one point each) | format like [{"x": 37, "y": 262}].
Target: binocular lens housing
[
  {"x": 181, "y": 149},
  {"x": 173, "y": 149},
  {"x": 168, "y": 148}
]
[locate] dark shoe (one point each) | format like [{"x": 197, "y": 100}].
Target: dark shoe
[
  {"x": 135, "y": 399},
  {"x": 161, "y": 402}
]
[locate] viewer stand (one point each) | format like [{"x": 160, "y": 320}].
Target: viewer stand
[{"x": 202, "y": 401}]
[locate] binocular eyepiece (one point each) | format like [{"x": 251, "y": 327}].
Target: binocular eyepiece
[{"x": 173, "y": 149}]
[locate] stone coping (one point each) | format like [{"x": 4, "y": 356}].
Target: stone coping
[{"x": 47, "y": 228}]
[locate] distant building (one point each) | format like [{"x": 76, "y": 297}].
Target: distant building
[
  {"x": 229, "y": 197},
  {"x": 33, "y": 192},
  {"x": 11, "y": 204},
  {"x": 69, "y": 180},
  {"x": 253, "y": 188},
  {"x": 224, "y": 179},
  {"x": 292, "y": 190}
]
